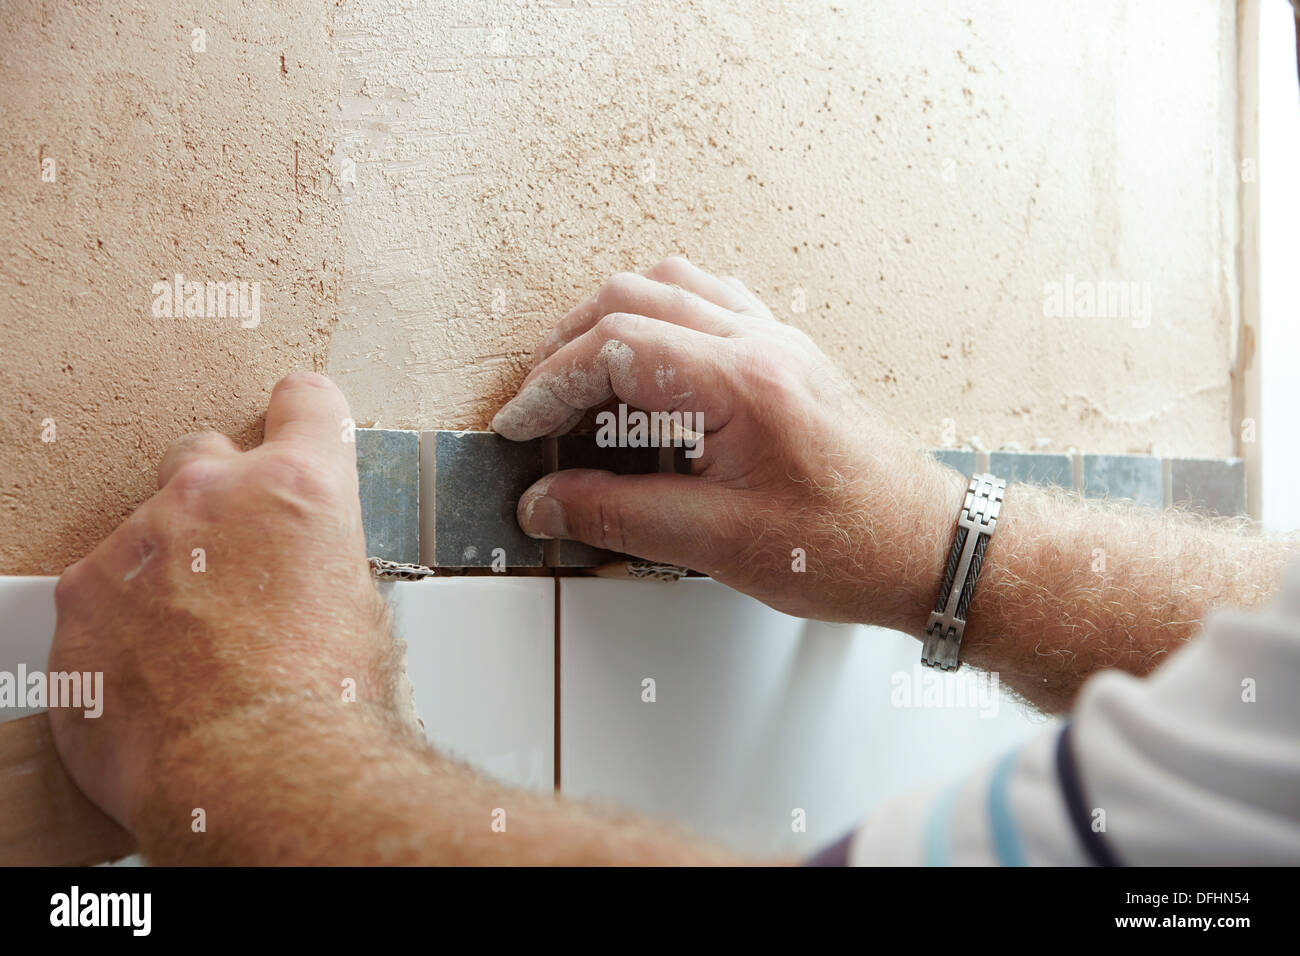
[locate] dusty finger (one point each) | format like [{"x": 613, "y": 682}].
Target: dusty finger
[{"x": 650, "y": 365}]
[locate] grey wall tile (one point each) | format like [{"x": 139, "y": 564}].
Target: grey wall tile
[
  {"x": 1213, "y": 485},
  {"x": 1139, "y": 478},
  {"x": 472, "y": 482},
  {"x": 388, "y": 473},
  {"x": 960, "y": 459},
  {"x": 581, "y": 451},
  {"x": 1033, "y": 468}
]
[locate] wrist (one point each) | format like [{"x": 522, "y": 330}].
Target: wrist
[
  {"x": 246, "y": 785},
  {"x": 920, "y": 547}
]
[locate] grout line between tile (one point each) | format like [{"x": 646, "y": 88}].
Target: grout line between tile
[
  {"x": 550, "y": 465},
  {"x": 555, "y": 719},
  {"x": 550, "y": 557}
]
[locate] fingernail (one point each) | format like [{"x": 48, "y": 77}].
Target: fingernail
[
  {"x": 503, "y": 422},
  {"x": 531, "y": 413},
  {"x": 542, "y": 516}
]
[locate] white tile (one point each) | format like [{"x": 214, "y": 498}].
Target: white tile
[
  {"x": 757, "y": 714},
  {"x": 481, "y": 657},
  {"x": 27, "y": 613},
  {"x": 480, "y": 653}
]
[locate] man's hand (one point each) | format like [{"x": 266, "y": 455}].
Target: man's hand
[
  {"x": 792, "y": 459},
  {"x": 238, "y": 593},
  {"x": 801, "y": 496}
]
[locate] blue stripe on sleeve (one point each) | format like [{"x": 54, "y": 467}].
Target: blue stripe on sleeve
[
  {"x": 938, "y": 829},
  {"x": 1006, "y": 838}
]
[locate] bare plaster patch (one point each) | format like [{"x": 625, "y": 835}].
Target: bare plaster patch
[{"x": 904, "y": 181}]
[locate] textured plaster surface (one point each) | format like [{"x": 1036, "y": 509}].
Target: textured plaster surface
[
  {"x": 212, "y": 164},
  {"x": 900, "y": 179},
  {"x": 903, "y": 180}
]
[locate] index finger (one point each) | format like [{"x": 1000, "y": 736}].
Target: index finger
[
  {"x": 650, "y": 365},
  {"x": 309, "y": 407}
]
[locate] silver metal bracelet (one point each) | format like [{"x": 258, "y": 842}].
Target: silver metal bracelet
[{"x": 975, "y": 524}]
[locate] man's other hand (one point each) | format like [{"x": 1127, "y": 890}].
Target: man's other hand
[{"x": 240, "y": 588}]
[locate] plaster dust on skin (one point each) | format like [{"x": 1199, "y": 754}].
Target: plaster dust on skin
[
  {"x": 555, "y": 399},
  {"x": 664, "y": 377},
  {"x": 900, "y": 180},
  {"x": 135, "y": 571},
  {"x": 535, "y": 494}
]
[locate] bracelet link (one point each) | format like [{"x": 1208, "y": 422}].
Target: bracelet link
[
  {"x": 975, "y": 526},
  {"x": 942, "y": 644}
]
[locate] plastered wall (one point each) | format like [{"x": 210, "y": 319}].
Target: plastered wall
[
  {"x": 930, "y": 189},
  {"x": 167, "y": 159}
]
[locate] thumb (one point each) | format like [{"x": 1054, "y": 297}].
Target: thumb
[{"x": 675, "y": 519}]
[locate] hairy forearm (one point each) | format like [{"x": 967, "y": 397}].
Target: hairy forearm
[
  {"x": 312, "y": 786},
  {"x": 1071, "y": 586}
]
